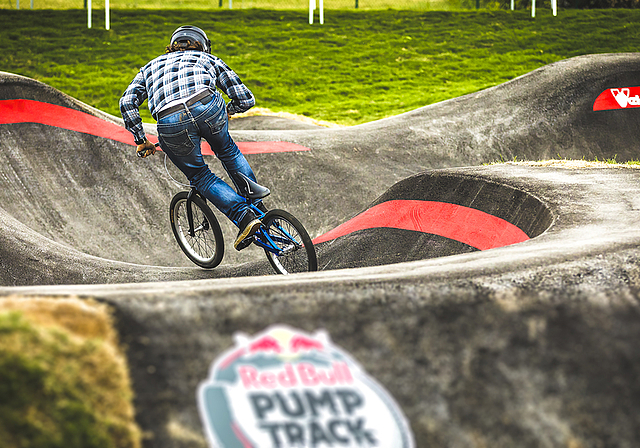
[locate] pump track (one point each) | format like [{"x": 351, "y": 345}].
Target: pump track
[{"x": 497, "y": 303}]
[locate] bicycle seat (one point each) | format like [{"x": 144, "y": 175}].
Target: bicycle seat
[{"x": 253, "y": 190}]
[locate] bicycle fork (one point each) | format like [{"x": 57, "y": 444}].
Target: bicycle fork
[{"x": 192, "y": 230}]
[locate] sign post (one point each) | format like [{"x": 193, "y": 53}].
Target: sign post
[
  {"x": 107, "y": 25},
  {"x": 312, "y": 8},
  {"x": 107, "y": 19}
]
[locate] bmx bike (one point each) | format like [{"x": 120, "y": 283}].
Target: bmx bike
[{"x": 284, "y": 239}]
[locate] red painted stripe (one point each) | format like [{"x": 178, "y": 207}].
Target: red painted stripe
[
  {"x": 618, "y": 98},
  {"x": 267, "y": 147},
  {"x": 466, "y": 225},
  {"x": 30, "y": 111}
]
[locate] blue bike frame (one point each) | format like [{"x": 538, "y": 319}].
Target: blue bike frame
[
  {"x": 262, "y": 238},
  {"x": 266, "y": 240}
]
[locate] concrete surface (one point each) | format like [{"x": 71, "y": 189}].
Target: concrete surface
[{"x": 530, "y": 344}]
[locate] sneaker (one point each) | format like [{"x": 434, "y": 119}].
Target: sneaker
[
  {"x": 245, "y": 243},
  {"x": 248, "y": 226}
]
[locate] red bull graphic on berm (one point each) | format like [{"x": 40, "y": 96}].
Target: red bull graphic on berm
[
  {"x": 286, "y": 388},
  {"x": 619, "y": 98}
]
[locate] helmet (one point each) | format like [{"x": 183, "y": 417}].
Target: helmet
[{"x": 192, "y": 33}]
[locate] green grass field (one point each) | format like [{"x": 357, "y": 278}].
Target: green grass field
[{"x": 359, "y": 66}]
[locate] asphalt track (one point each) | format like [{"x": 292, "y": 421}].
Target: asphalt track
[{"x": 498, "y": 304}]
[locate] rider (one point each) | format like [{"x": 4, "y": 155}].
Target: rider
[{"x": 181, "y": 89}]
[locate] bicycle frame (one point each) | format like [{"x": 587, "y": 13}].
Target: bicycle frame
[
  {"x": 261, "y": 238},
  {"x": 267, "y": 241}
]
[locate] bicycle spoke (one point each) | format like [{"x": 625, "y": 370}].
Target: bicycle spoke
[
  {"x": 202, "y": 243},
  {"x": 285, "y": 245}
]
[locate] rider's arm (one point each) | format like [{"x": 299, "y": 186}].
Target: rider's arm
[
  {"x": 229, "y": 82},
  {"x": 130, "y": 102}
]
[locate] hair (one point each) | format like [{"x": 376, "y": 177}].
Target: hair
[{"x": 184, "y": 45}]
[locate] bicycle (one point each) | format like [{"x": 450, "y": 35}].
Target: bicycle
[{"x": 283, "y": 238}]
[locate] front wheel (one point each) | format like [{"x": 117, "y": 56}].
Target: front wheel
[
  {"x": 205, "y": 244},
  {"x": 288, "y": 247}
]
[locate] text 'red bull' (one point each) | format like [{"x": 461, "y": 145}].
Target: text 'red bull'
[{"x": 303, "y": 374}]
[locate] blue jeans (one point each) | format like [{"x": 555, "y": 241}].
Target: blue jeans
[{"x": 180, "y": 133}]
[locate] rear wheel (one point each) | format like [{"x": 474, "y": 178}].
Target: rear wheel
[
  {"x": 205, "y": 247},
  {"x": 293, "y": 250}
]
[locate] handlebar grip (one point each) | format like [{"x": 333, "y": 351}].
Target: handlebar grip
[{"x": 141, "y": 153}]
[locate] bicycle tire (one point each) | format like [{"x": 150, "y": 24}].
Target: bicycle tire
[
  {"x": 206, "y": 248},
  {"x": 284, "y": 227}
]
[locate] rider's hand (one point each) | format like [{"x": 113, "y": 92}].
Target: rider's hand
[
  {"x": 229, "y": 111},
  {"x": 146, "y": 149}
]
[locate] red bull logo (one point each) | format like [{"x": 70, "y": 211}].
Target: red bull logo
[
  {"x": 265, "y": 344},
  {"x": 618, "y": 98},
  {"x": 285, "y": 388},
  {"x": 304, "y": 374},
  {"x": 296, "y": 344},
  {"x": 299, "y": 343}
]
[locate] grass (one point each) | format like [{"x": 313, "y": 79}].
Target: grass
[
  {"x": 424, "y": 5},
  {"x": 63, "y": 380},
  {"x": 358, "y": 67},
  {"x": 562, "y": 162}
]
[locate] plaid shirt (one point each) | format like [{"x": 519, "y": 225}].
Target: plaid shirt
[{"x": 177, "y": 75}]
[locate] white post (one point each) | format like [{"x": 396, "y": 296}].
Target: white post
[
  {"x": 107, "y": 25},
  {"x": 533, "y": 8},
  {"x": 230, "y": 4},
  {"x": 88, "y": 13},
  {"x": 312, "y": 7},
  {"x": 513, "y": 5},
  {"x": 554, "y": 7},
  {"x": 321, "y": 11},
  {"x": 17, "y": 4},
  {"x": 31, "y": 4}
]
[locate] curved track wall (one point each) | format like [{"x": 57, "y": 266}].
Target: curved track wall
[{"x": 435, "y": 214}]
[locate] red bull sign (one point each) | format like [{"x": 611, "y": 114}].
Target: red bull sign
[
  {"x": 618, "y": 98},
  {"x": 285, "y": 388}
]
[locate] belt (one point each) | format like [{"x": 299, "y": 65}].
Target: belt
[{"x": 204, "y": 97}]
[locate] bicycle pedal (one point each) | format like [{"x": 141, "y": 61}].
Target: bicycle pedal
[{"x": 245, "y": 243}]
